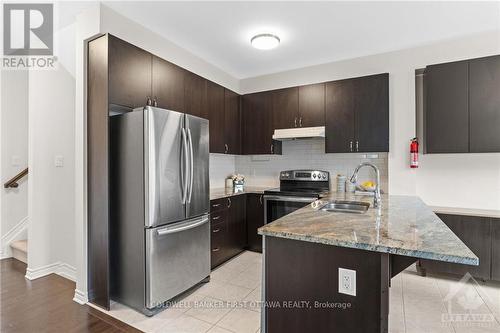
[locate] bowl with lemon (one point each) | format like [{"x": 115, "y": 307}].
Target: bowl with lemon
[{"x": 369, "y": 186}]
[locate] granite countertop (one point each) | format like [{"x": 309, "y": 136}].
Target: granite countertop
[
  {"x": 466, "y": 211},
  {"x": 218, "y": 193},
  {"x": 404, "y": 225}
]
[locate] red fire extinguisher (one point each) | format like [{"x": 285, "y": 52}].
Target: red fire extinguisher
[{"x": 414, "y": 153}]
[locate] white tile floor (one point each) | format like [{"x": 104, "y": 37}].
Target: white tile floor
[{"x": 417, "y": 304}]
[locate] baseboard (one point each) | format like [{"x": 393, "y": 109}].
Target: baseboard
[
  {"x": 80, "y": 297},
  {"x": 59, "y": 268},
  {"x": 10, "y": 236}
]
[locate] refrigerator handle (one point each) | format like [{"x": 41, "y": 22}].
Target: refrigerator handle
[
  {"x": 191, "y": 164},
  {"x": 183, "y": 227},
  {"x": 184, "y": 171}
]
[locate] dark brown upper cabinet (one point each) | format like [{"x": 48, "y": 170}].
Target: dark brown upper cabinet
[
  {"x": 195, "y": 95},
  {"x": 232, "y": 124},
  {"x": 168, "y": 85},
  {"x": 371, "y": 104},
  {"x": 286, "y": 108},
  {"x": 340, "y": 132},
  {"x": 312, "y": 105},
  {"x": 447, "y": 113},
  {"x": 484, "y": 104},
  {"x": 258, "y": 124},
  {"x": 215, "y": 104},
  {"x": 357, "y": 115},
  {"x": 129, "y": 71}
]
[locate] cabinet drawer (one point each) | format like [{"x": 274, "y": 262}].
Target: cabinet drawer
[
  {"x": 218, "y": 204},
  {"x": 218, "y": 217},
  {"x": 218, "y": 234}
]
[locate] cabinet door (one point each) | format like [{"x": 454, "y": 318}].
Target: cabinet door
[
  {"x": 232, "y": 124},
  {"x": 371, "y": 103},
  {"x": 129, "y": 73},
  {"x": 257, "y": 124},
  {"x": 339, "y": 117},
  {"x": 215, "y": 104},
  {"x": 312, "y": 105},
  {"x": 285, "y": 108},
  {"x": 495, "y": 250},
  {"x": 195, "y": 93},
  {"x": 255, "y": 220},
  {"x": 475, "y": 233},
  {"x": 447, "y": 113},
  {"x": 484, "y": 107},
  {"x": 236, "y": 223},
  {"x": 168, "y": 85}
]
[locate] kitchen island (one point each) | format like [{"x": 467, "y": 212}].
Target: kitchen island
[{"x": 304, "y": 250}]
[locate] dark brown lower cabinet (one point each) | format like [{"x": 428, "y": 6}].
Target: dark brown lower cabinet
[
  {"x": 227, "y": 228},
  {"x": 495, "y": 249},
  {"x": 255, "y": 220},
  {"x": 475, "y": 232}
]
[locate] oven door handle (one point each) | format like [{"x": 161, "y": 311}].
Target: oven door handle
[{"x": 289, "y": 198}]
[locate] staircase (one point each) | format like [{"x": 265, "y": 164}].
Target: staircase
[{"x": 20, "y": 250}]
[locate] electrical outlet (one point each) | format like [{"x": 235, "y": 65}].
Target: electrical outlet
[
  {"x": 347, "y": 281},
  {"x": 58, "y": 161}
]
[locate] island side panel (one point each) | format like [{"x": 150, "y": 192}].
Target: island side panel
[{"x": 297, "y": 272}]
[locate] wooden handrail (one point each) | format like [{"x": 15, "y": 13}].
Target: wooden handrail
[{"x": 12, "y": 183}]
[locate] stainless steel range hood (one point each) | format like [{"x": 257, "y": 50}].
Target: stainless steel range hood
[{"x": 299, "y": 133}]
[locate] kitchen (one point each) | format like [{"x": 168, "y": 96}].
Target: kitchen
[{"x": 298, "y": 187}]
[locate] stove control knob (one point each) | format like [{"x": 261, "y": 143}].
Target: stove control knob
[
  {"x": 314, "y": 175},
  {"x": 324, "y": 176}
]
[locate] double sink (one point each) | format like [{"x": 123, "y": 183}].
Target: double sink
[{"x": 342, "y": 206}]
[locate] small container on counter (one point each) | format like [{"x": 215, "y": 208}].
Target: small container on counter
[
  {"x": 341, "y": 183},
  {"x": 350, "y": 187}
]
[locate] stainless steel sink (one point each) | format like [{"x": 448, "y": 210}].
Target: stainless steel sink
[{"x": 354, "y": 207}]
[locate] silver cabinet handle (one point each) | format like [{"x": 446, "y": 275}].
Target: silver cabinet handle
[
  {"x": 184, "y": 171},
  {"x": 215, "y": 231},
  {"x": 182, "y": 227},
  {"x": 155, "y": 101},
  {"x": 228, "y": 202},
  {"x": 260, "y": 199},
  {"x": 215, "y": 218},
  {"x": 272, "y": 148},
  {"x": 215, "y": 249},
  {"x": 191, "y": 167},
  {"x": 216, "y": 205},
  {"x": 226, "y": 148},
  {"x": 357, "y": 145},
  {"x": 300, "y": 122},
  {"x": 350, "y": 145},
  {"x": 295, "y": 122}
]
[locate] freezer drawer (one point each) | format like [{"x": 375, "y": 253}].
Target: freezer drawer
[{"x": 177, "y": 258}]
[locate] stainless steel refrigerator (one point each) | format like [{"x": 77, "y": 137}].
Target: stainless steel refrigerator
[{"x": 159, "y": 194}]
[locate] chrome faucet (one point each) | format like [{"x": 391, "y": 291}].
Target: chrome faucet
[{"x": 377, "y": 200}]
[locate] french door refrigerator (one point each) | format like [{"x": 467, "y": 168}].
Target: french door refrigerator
[{"x": 159, "y": 194}]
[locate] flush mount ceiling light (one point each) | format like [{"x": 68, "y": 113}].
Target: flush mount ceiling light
[{"x": 265, "y": 41}]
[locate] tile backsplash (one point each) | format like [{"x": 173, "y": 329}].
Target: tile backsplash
[{"x": 263, "y": 170}]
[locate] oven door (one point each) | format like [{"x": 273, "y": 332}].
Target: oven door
[{"x": 276, "y": 206}]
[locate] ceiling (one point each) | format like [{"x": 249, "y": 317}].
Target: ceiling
[{"x": 311, "y": 33}]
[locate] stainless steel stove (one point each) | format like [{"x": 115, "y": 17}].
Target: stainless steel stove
[{"x": 298, "y": 188}]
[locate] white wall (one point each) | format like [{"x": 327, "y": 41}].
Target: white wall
[
  {"x": 14, "y": 146},
  {"x": 132, "y": 32},
  {"x": 467, "y": 180},
  {"x": 308, "y": 154},
  {"x": 221, "y": 166}
]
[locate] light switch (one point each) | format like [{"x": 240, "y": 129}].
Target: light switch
[
  {"x": 59, "y": 161},
  {"x": 16, "y": 160}
]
